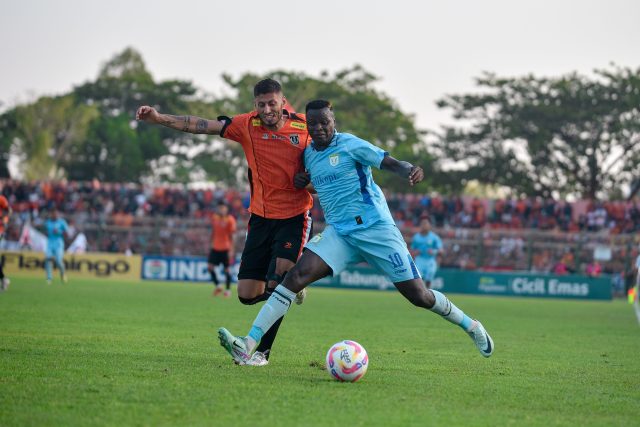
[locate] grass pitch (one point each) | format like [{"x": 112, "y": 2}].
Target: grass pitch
[{"x": 117, "y": 353}]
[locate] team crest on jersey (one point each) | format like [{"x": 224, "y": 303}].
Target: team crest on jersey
[
  {"x": 298, "y": 125},
  {"x": 294, "y": 138},
  {"x": 256, "y": 122},
  {"x": 316, "y": 238},
  {"x": 334, "y": 159},
  {"x": 265, "y": 136}
]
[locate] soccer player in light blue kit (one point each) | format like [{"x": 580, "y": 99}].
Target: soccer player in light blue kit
[
  {"x": 426, "y": 245},
  {"x": 359, "y": 228},
  {"x": 55, "y": 228}
]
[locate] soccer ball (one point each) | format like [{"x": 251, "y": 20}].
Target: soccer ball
[{"x": 347, "y": 361}]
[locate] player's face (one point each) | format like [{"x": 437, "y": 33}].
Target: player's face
[
  {"x": 223, "y": 210},
  {"x": 321, "y": 125},
  {"x": 269, "y": 107},
  {"x": 425, "y": 226}
]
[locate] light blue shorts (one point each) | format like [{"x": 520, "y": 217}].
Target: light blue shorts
[
  {"x": 54, "y": 251},
  {"x": 427, "y": 268},
  {"x": 380, "y": 245}
]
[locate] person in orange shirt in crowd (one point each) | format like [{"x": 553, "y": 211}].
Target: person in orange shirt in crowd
[
  {"x": 223, "y": 230},
  {"x": 273, "y": 138},
  {"x": 5, "y": 212}
]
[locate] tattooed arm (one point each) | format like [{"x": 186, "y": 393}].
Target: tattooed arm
[{"x": 189, "y": 124}]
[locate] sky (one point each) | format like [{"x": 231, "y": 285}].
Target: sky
[{"x": 420, "y": 50}]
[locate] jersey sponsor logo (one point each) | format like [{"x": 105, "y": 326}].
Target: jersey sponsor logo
[
  {"x": 298, "y": 125},
  {"x": 294, "y": 138},
  {"x": 323, "y": 179},
  {"x": 256, "y": 122},
  {"x": 334, "y": 159},
  {"x": 288, "y": 245},
  {"x": 155, "y": 269}
]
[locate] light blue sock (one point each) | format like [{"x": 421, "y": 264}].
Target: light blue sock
[
  {"x": 450, "y": 312},
  {"x": 276, "y": 306},
  {"x": 47, "y": 268}
]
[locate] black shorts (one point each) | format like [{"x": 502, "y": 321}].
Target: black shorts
[
  {"x": 218, "y": 257},
  {"x": 268, "y": 239}
]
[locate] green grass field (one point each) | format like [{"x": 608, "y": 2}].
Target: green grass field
[{"x": 107, "y": 353}]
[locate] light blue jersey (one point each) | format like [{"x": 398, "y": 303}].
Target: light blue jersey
[
  {"x": 341, "y": 174},
  {"x": 425, "y": 261},
  {"x": 423, "y": 243},
  {"x": 55, "y": 232},
  {"x": 359, "y": 224}
]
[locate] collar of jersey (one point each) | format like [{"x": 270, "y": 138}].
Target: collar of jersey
[{"x": 333, "y": 143}]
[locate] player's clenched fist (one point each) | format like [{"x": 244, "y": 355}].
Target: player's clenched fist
[
  {"x": 147, "y": 114},
  {"x": 416, "y": 175},
  {"x": 301, "y": 179}
]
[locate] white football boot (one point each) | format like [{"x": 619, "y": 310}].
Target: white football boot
[
  {"x": 258, "y": 359},
  {"x": 481, "y": 339}
]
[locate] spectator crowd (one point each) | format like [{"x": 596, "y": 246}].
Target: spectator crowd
[{"x": 120, "y": 203}]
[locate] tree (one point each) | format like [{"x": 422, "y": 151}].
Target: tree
[
  {"x": 45, "y": 133},
  {"x": 90, "y": 132},
  {"x": 571, "y": 135},
  {"x": 123, "y": 84},
  {"x": 111, "y": 152}
]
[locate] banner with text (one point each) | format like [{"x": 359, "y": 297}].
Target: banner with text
[
  {"x": 88, "y": 265},
  {"x": 184, "y": 268},
  {"x": 484, "y": 283}
]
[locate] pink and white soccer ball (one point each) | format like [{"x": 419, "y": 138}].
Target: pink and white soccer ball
[{"x": 347, "y": 361}]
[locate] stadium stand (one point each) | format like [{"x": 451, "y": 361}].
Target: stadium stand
[{"x": 529, "y": 233}]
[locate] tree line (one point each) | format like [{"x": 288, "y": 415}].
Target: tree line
[{"x": 571, "y": 135}]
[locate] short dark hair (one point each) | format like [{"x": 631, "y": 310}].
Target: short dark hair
[
  {"x": 318, "y": 104},
  {"x": 266, "y": 86}
]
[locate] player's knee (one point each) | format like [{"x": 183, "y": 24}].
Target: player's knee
[
  {"x": 246, "y": 296},
  {"x": 250, "y": 301}
]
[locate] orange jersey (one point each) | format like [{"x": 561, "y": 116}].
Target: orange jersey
[
  {"x": 4, "y": 212},
  {"x": 274, "y": 157},
  {"x": 223, "y": 230}
]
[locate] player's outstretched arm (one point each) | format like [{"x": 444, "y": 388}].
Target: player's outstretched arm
[
  {"x": 191, "y": 124},
  {"x": 414, "y": 174}
]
